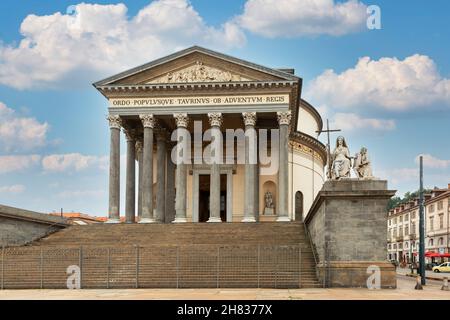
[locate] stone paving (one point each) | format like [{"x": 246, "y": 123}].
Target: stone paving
[{"x": 405, "y": 291}]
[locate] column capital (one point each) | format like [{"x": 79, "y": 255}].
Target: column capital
[
  {"x": 130, "y": 134},
  {"x": 284, "y": 117},
  {"x": 114, "y": 121},
  {"x": 148, "y": 120},
  {"x": 249, "y": 118},
  {"x": 215, "y": 119},
  {"x": 181, "y": 119}
]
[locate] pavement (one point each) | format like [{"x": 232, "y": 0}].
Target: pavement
[{"x": 405, "y": 291}]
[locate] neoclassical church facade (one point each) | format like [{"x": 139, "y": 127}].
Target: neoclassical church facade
[{"x": 198, "y": 90}]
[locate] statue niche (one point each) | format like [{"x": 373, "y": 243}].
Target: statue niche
[{"x": 268, "y": 203}]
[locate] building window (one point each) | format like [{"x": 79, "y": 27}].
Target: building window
[
  {"x": 441, "y": 241},
  {"x": 395, "y": 246},
  {"x": 406, "y": 230},
  {"x": 395, "y": 220},
  {"x": 440, "y": 205},
  {"x": 407, "y": 217},
  {"x": 413, "y": 228},
  {"x": 400, "y": 219},
  {"x": 389, "y": 246},
  {"x": 406, "y": 245},
  {"x": 441, "y": 221},
  {"x": 431, "y": 227},
  {"x": 400, "y": 231},
  {"x": 430, "y": 243},
  {"x": 431, "y": 208}
]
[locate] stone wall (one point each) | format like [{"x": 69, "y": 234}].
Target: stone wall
[
  {"x": 347, "y": 224},
  {"x": 19, "y": 227}
]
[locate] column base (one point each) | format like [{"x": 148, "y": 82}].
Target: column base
[
  {"x": 214, "y": 219},
  {"x": 179, "y": 220},
  {"x": 147, "y": 220},
  {"x": 249, "y": 219},
  {"x": 112, "y": 220},
  {"x": 283, "y": 219}
]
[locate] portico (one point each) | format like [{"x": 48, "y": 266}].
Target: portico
[{"x": 164, "y": 107}]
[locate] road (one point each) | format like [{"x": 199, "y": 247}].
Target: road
[{"x": 429, "y": 273}]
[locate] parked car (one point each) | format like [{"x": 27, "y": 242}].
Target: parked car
[
  {"x": 430, "y": 266},
  {"x": 443, "y": 267}
]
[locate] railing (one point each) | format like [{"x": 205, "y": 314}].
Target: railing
[{"x": 194, "y": 266}]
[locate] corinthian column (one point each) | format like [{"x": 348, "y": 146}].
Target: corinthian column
[
  {"x": 181, "y": 120},
  {"x": 161, "y": 150},
  {"x": 284, "y": 119},
  {"x": 250, "y": 166},
  {"x": 139, "y": 155},
  {"x": 114, "y": 169},
  {"x": 148, "y": 121},
  {"x": 215, "y": 120},
  {"x": 130, "y": 192}
]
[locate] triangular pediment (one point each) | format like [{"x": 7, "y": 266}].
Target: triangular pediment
[
  {"x": 196, "y": 65},
  {"x": 199, "y": 72}
]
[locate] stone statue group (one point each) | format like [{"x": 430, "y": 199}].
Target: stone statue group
[
  {"x": 341, "y": 166},
  {"x": 341, "y": 162}
]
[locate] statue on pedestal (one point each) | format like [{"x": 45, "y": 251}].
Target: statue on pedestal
[
  {"x": 268, "y": 201},
  {"x": 341, "y": 160},
  {"x": 362, "y": 164}
]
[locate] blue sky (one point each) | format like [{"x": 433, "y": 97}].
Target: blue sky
[{"x": 54, "y": 136}]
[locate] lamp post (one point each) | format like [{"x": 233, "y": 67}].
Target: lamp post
[{"x": 421, "y": 227}]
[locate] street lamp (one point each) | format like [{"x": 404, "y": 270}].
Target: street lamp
[{"x": 421, "y": 227}]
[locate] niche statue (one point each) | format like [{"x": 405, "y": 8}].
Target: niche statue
[{"x": 268, "y": 201}]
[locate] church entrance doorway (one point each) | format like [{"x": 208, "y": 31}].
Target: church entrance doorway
[{"x": 204, "y": 195}]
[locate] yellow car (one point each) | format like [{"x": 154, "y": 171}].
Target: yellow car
[{"x": 443, "y": 267}]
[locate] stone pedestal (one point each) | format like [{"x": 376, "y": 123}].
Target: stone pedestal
[{"x": 347, "y": 223}]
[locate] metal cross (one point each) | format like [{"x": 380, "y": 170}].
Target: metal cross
[{"x": 328, "y": 130}]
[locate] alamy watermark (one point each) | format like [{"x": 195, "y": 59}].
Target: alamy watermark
[
  {"x": 374, "y": 280},
  {"x": 248, "y": 146},
  {"x": 373, "y": 21}
]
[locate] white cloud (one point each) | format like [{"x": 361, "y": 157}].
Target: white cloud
[
  {"x": 389, "y": 83},
  {"x": 433, "y": 162},
  {"x": 81, "y": 194},
  {"x": 98, "y": 40},
  {"x": 352, "y": 121},
  {"x": 17, "y": 188},
  {"x": 399, "y": 175},
  {"x": 73, "y": 162},
  {"x": 292, "y": 18},
  {"x": 20, "y": 133},
  {"x": 17, "y": 163}
]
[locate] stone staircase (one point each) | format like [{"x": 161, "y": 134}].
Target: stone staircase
[{"x": 273, "y": 255}]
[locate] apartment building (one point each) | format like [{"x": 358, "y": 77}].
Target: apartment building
[{"x": 403, "y": 227}]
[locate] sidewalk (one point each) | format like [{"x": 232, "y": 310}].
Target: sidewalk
[{"x": 405, "y": 291}]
